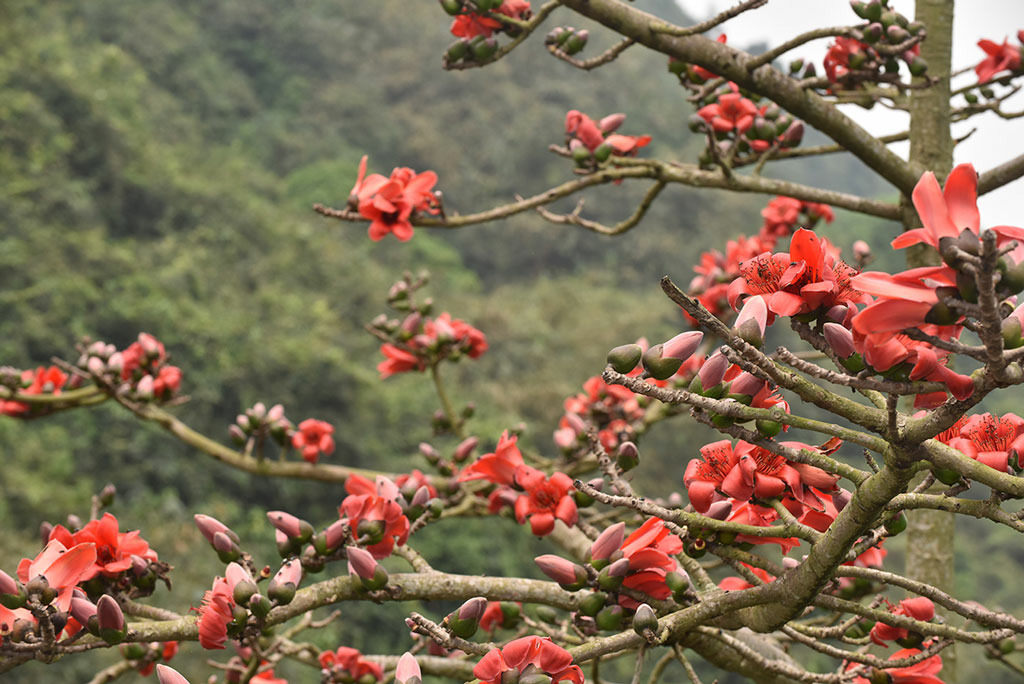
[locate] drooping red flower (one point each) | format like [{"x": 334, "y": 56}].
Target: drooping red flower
[
  {"x": 398, "y": 360},
  {"x": 649, "y": 550},
  {"x": 39, "y": 381},
  {"x": 992, "y": 440},
  {"x": 746, "y": 513},
  {"x": 114, "y": 549},
  {"x": 919, "y": 608},
  {"x": 456, "y": 332},
  {"x": 493, "y": 616},
  {"x": 389, "y": 202},
  {"x": 731, "y": 112},
  {"x": 702, "y": 73},
  {"x": 920, "y": 673},
  {"x": 216, "y": 611},
  {"x": 546, "y": 499},
  {"x": 999, "y": 58},
  {"x": 63, "y": 567},
  {"x": 611, "y": 409},
  {"x": 314, "y": 437},
  {"x": 541, "y": 652},
  {"x": 350, "y": 661},
  {"x": 593, "y": 134}
]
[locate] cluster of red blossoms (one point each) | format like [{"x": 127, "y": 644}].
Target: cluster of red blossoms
[
  {"x": 535, "y": 497},
  {"x": 389, "y": 202},
  {"x": 590, "y": 140},
  {"x": 853, "y": 60},
  {"x": 419, "y": 342},
  {"x": 374, "y": 514},
  {"x": 735, "y": 120},
  {"x": 1000, "y": 57},
  {"x": 348, "y": 665},
  {"x": 468, "y": 24},
  {"x": 39, "y": 381},
  {"x": 527, "y": 655},
  {"x": 716, "y": 271},
  {"x": 996, "y": 441}
]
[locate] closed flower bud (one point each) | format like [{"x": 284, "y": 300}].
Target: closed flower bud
[
  {"x": 408, "y": 670},
  {"x": 361, "y": 562},
  {"x": 260, "y": 605},
  {"x": 678, "y": 581},
  {"x": 209, "y": 526},
  {"x": 168, "y": 675},
  {"x": 683, "y": 345},
  {"x": 607, "y": 543},
  {"x": 292, "y": 526},
  {"x": 421, "y": 498},
  {"x": 237, "y": 435},
  {"x": 107, "y": 494},
  {"x": 610, "y": 618},
  {"x": 657, "y": 365},
  {"x": 789, "y": 563},
  {"x": 568, "y": 574},
  {"x": 12, "y": 595},
  {"x": 144, "y": 390},
  {"x": 624, "y": 358},
  {"x": 110, "y": 620},
  {"x": 840, "y": 339},
  {"x": 84, "y": 610},
  {"x": 226, "y": 549},
  {"x": 465, "y": 449},
  {"x": 243, "y": 591},
  {"x": 610, "y": 123},
  {"x": 793, "y": 135},
  {"x": 576, "y": 42},
  {"x": 472, "y": 609},
  {"x": 719, "y": 510},
  {"x": 627, "y": 456},
  {"x": 591, "y": 604},
  {"x": 713, "y": 371},
  {"x": 96, "y": 366},
  {"x": 645, "y": 621}
]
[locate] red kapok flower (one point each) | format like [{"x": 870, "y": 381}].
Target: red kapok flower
[
  {"x": 350, "y": 660},
  {"x": 993, "y": 440},
  {"x": 62, "y": 567},
  {"x": 837, "y": 59},
  {"x": 314, "y": 437},
  {"x": 920, "y": 673},
  {"x": 216, "y": 611},
  {"x": 919, "y": 608},
  {"x": 649, "y": 550},
  {"x": 498, "y": 467},
  {"x": 389, "y": 202},
  {"x": 377, "y": 516},
  {"x": 1004, "y": 57},
  {"x": 114, "y": 549},
  {"x": 731, "y": 112},
  {"x": 546, "y": 499},
  {"x": 541, "y": 652},
  {"x": 471, "y": 24}
]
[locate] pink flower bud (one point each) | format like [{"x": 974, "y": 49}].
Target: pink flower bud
[
  {"x": 557, "y": 568},
  {"x": 258, "y": 411},
  {"x": 223, "y": 543},
  {"x": 275, "y": 413},
  {"x": 82, "y": 609},
  {"x": 7, "y": 584},
  {"x": 149, "y": 344},
  {"x": 840, "y": 499},
  {"x": 421, "y": 497},
  {"x": 96, "y": 366},
  {"x": 286, "y": 522},
  {"x": 473, "y": 608},
  {"x": 144, "y": 389},
  {"x": 465, "y": 449},
  {"x": 746, "y": 384},
  {"x": 168, "y": 675},
  {"x": 408, "y": 670},
  {"x": 611, "y": 122},
  {"x": 576, "y": 423},
  {"x": 290, "y": 573},
  {"x": 140, "y": 566},
  {"x": 840, "y": 339},
  {"x": 752, "y": 321},
  {"x": 608, "y": 542},
  {"x": 564, "y": 438},
  {"x": 429, "y": 452},
  {"x": 790, "y": 563},
  {"x": 361, "y": 562},
  {"x": 335, "y": 533},
  {"x": 115, "y": 362},
  {"x": 682, "y": 345},
  {"x": 713, "y": 371},
  {"x": 411, "y": 323},
  {"x": 210, "y": 526},
  {"x": 861, "y": 249}
]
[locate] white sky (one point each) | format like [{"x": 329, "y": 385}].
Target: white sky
[{"x": 995, "y": 140}]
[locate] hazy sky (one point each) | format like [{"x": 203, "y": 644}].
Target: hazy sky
[{"x": 995, "y": 140}]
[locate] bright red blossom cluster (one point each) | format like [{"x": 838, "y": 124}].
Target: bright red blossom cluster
[
  {"x": 372, "y": 509},
  {"x": 42, "y": 380},
  {"x": 537, "y": 498},
  {"x": 538, "y": 654},
  {"x": 349, "y": 662},
  {"x": 422, "y": 342},
  {"x": 472, "y": 24},
  {"x": 389, "y": 202},
  {"x": 115, "y": 550},
  {"x": 1000, "y": 57}
]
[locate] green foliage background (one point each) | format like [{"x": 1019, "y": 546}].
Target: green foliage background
[{"x": 158, "y": 162}]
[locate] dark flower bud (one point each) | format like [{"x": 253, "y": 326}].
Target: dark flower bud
[
  {"x": 645, "y": 622},
  {"x": 465, "y": 449},
  {"x": 677, "y": 581},
  {"x": 627, "y": 456},
  {"x": 591, "y": 604},
  {"x": 373, "y": 530},
  {"x": 107, "y": 495},
  {"x": 610, "y": 618},
  {"x": 576, "y": 42},
  {"x": 260, "y": 605},
  {"x": 243, "y": 591},
  {"x": 624, "y": 358},
  {"x": 39, "y": 587}
]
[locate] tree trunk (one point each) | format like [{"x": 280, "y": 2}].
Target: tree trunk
[{"x": 930, "y": 534}]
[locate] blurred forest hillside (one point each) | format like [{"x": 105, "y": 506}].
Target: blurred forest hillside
[{"x": 159, "y": 160}]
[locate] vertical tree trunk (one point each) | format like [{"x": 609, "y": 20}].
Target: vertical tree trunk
[{"x": 930, "y": 534}]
